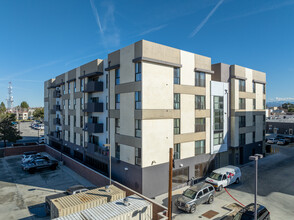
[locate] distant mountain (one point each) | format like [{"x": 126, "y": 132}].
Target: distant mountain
[{"x": 277, "y": 103}]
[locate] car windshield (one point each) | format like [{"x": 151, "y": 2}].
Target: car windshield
[
  {"x": 215, "y": 176},
  {"x": 189, "y": 193}
]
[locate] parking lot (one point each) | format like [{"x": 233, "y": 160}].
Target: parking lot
[
  {"x": 22, "y": 195},
  {"x": 275, "y": 190}
]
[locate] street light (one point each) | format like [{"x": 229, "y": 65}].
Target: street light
[
  {"x": 109, "y": 152},
  {"x": 256, "y": 157}
]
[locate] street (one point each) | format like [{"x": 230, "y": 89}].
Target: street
[{"x": 275, "y": 189}]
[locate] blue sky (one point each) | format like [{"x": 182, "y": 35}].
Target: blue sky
[{"x": 42, "y": 39}]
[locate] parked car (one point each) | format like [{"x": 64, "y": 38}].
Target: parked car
[
  {"x": 282, "y": 142},
  {"x": 247, "y": 213},
  {"x": 39, "y": 164},
  {"x": 224, "y": 176},
  {"x": 195, "y": 195},
  {"x": 272, "y": 141},
  {"x": 32, "y": 157},
  {"x": 28, "y": 156}
]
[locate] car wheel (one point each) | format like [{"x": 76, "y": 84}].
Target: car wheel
[
  {"x": 220, "y": 188},
  {"x": 53, "y": 167},
  {"x": 31, "y": 171},
  {"x": 193, "y": 208},
  {"x": 210, "y": 200},
  {"x": 237, "y": 181}
]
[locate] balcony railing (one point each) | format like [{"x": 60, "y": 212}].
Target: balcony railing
[
  {"x": 94, "y": 107},
  {"x": 94, "y": 86},
  {"x": 56, "y": 94},
  {"x": 94, "y": 127}
]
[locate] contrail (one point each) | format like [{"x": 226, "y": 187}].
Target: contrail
[
  {"x": 95, "y": 12},
  {"x": 197, "y": 29}
]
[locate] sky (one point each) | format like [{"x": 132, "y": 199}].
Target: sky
[{"x": 41, "y": 39}]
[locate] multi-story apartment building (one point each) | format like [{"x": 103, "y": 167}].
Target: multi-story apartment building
[{"x": 159, "y": 98}]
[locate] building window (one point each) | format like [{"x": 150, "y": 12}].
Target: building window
[
  {"x": 138, "y": 71},
  {"x": 263, "y": 88},
  {"x": 242, "y": 139},
  {"x": 68, "y": 120},
  {"x": 82, "y": 85},
  {"x": 106, "y": 84},
  {"x": 82, "y": 103},
  {"x": 75, "y": 121},
  {"x": 242, "y": 87},
  {"x": 218, "y": 137},
  {"x": 106, "y": 103},
  {"x": 177, "y": 99},
  {"x": 81, "y": 140},
  {"x": 74, "y": 104},
  {"x": 253, "y": 137},
  {"x": 117, "y": 76},
  {"x": 117, "y": 151},
  {"x": 200, "y": 79},
  {"x": 254, "y": 120},
  {"x": 63, "y": 103},
  {"x": 177, "y": 75},
  {"x": 75, "y": 138},
  {"x": 81, "y": 121},
  {"x": 200, "y": 102},
  {"x": 242, "y": 121},
  {"x": 218, "y": 109},
  {"x": 290, "y": 131},
  {"x": 117, "y": 125},
  {"x": 68, "y": 136},
  {"x": 75, "y": 86},
  {"x": 254, "y": 103},
  {"x": 117, "y": 101},
  {"x": 138, "y": 100},
  {"x": 199, "y": 124},
  {"x": 138, "y": 128},
  {"x": 177, "y": 126},
  {"x": 69, "y": 104},
  {"x": 199, "y": 147},
  {"x": 177, "y": 151},
  {"x": 264, "y": 105},
  {"x": 254, "y": 87},
  {"x": 68, "y": 87},
  {"x": 138, "y": 156},
  {"x": 63, "y": 88},
  {"x": 242, "y": 104}
]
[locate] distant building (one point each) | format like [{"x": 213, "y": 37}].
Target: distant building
[{"x": 283, "y": 125}]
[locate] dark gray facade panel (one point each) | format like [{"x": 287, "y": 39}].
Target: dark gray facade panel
[{"x": 282, "y": 127}]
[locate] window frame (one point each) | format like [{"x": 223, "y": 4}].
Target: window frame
[
  {"x": 242, "y": 105},
  {"x": 117, "y": 76},
  {"x": 177, "y": 75},
  {"x": 138, "y": 128},
  {"x": 177, "y": 101},
  {"x": 202, "y": 103},
  {"x": 242, "y": 85},
  {"x": 138, "y": 71},
  {"x": 200, "y": 124},
  {"x": 138, "y": 100},
  {"x": 200, "y": 79},
  {"x": 200, "y": 147},
  {"x": 117, "y": 101},
  {"x": 177, "y": 129},
  {"x": 177, "y": 151}
]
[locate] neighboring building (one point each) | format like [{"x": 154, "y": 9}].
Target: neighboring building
[
  {"x": 282, "y": 126},
  {"x": 22, "y": 115},
  {"x": 159, "y": 97}
]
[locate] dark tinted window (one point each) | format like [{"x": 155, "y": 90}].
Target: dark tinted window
[
  {"x": 210, "y": 188},
  {"x": 224, "y": 177},
  {"x": 199, "y": 194},
  {"x": 205, "y": 190}
]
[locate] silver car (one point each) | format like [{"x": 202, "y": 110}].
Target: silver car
[{"x": 195, "y": 195}]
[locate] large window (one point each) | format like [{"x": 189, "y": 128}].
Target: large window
[
  {"x": 242, "y": 103},
  {"x": 117, "y": 101},
  {"x": 138, "y": 128},
  {"x": 117, "y": 76},
  {"x": 117, "y": 151},
  {"x": 263, "y": 88},
  {"x": 177, "y": 151},
  {"x": 117, "y": 125},
  {"x": 74, "y": 103},
  {"x": 82, "y": 103},
  {"x": 81, "y": 121},
  {"x": 138, "y": 71},
  {"x": 177, "y": 75},
  {"x": 138, "y": 156},
  {"x": 69, "y": 107},
  {"x": 242, "y": 87},
  {"x": 138, "y": 100},
  {"x": 264, "y": 104},
  {"x": 75, "y": 86},
  {"x": 68, "y": 86},
  {"x": 68, "y": 120},
  {"x": 106, "y": 84},
  {"x": 199, "y": 124},
  {"x": 254, "y": 120},
  {"x": 242, "y": 139},
  {"x": 218, "y": 109},
  {"x": 242, "y": 121},
  {"x": 200, "y": 102},
  {"x": 254, "y": 103},
  {"x": 199, "y": 147},
  {"x": 177, "y": 126},
  {"x": 177, "y": 100},
  {"x": 254, "y": 87},
  {"x": 82, "y": 85},
  {"x": 253, "y": 137},
  {"x": 200, "y": 79}
]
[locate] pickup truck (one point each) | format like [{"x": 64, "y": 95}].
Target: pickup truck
[{"x": 39, "y": 164}]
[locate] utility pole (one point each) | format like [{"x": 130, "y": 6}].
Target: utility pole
[
  {"x": 169, "y": 205},
  {"x": 256, "y": 157}
]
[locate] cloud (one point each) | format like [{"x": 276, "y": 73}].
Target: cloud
[
  {"x": 198, "y": 28},
  {"x": 283, "y": 99},
  {"x": 96, "y": 14},
  {"x": 152, "y": 30},
  {"x": 81, "y": 58},
  {"x": 261, "y": 10}
]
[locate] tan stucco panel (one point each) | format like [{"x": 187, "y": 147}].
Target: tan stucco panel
[
  {"x": 90, "y": 67},
  {"x": 204, "y": 113},
  {"x": 259, "y": 76},
  {"x": 114, "y": 58},
  {"x": 247, "y": 95},
  {"x": 127, "y": 67},
  {"x": 127, "y": 122},
  {"x": 238, "y": 71},
  {"x": 181, "y": 138},
  {"x": 192, "y": 90},
  {"x": 160, "y": 114},
  {"x": 202, "y": 62}
]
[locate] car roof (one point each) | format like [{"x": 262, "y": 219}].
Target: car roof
[
  {"x": 225, "y": 169},
  {"x": 249, "y": 209},
  {"x": 199, "y": 186}
]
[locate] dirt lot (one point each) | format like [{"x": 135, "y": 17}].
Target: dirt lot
[{"x": 22, "y": 195}]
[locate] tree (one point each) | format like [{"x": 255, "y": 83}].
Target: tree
[
  {"x": 24, "y": 105},
  {"x": 39, "y": 113},
  {"x": 2, "y": 108},
  {"x": 8, "y": 130}
]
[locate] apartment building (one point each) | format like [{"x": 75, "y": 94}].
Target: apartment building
[{"x": 154, "y": 98}]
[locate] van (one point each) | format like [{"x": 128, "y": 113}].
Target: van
[{"x": 224, "y": 176}]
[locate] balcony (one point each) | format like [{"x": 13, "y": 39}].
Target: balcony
[
  {"x": 94, "y": 86},
  {"x": 56, "y": 121},
  {"x": 101, "y": 151},
  {"x": 56, "y": 94},
  {"x": 94, "y": 127},
  {"x": 94, "y": 107}
]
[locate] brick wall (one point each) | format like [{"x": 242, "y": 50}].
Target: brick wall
[{"x": 10, "y": 151}]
